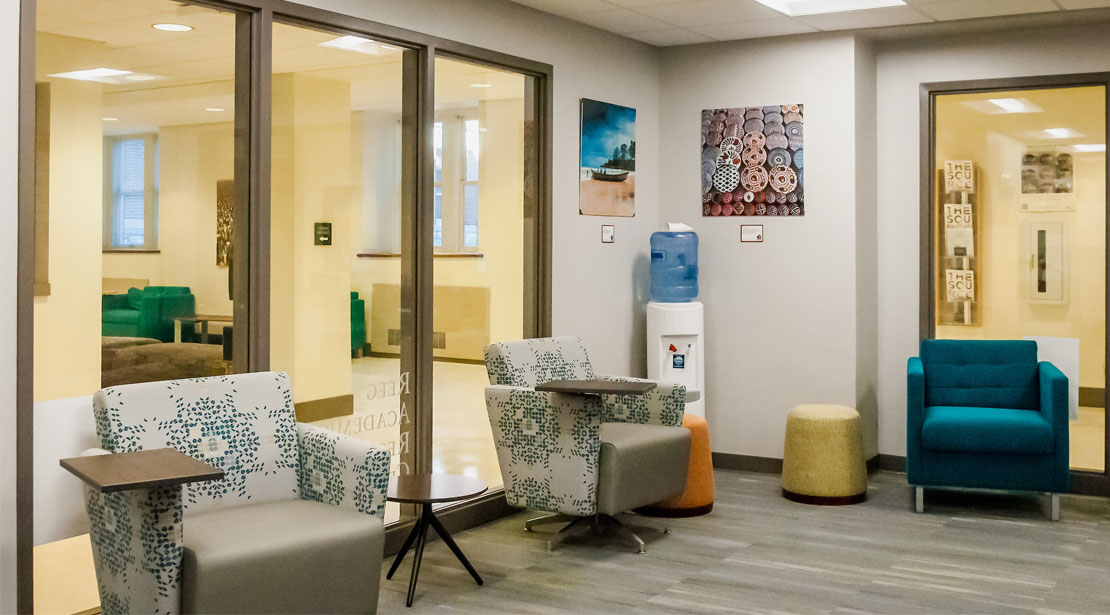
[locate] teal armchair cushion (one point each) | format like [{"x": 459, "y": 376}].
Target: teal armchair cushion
[
  {"x": 153, "y": 318},
  {"x": 985, "y": 374},
  {"x": 122, "y": 317},
  {"x": 358, "y": 322},
  {"x": 962, "y": 429}
]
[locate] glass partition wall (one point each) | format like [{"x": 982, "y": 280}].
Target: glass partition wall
[
  {"x": 1019, "y": 234},
  {"x": 228, "y": 186}
]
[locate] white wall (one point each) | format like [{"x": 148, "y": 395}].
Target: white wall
[
  {"x": 9, "y": 145},
  {"x": 599, "y": 290},
  {"x": 780, "y": 315},
  {"x": 901, "y": 68}
]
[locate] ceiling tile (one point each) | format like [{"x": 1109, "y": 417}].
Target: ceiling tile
[
  {"x": 621, "y": 21},
  {"x": 1084, "y": 4},
  {"x": 870, "y": 18},
  {"x": 669, "y": 37},
  {"x": 755, "y": 29},
  {"x": 709, "y": 12},
  {"x": 568, "y": 7},
  {"x": 972, "y": 9}
]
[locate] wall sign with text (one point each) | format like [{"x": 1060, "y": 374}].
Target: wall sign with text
[{"x": 959, "y": 176}]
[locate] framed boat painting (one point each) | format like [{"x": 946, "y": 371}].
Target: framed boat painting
[
  {"x": 607, "y": 160},
  {"x": 753, "y": 161}
]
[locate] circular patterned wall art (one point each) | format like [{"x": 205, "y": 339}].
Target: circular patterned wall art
[
  {"x": 755, "y": 140},
  {"x": 782, "y": 179},
  {"x": 753, "y": 125},
  {"x": 777, "y": 141},
  {"x": 754, "y": 178},
  {"x": 778, "y": 157},
  {"x": 753, "y": 113},
  {"x": 791, "y": 108},
  {"x": 794, "y": 134},
  {"x": 792, "y": 117},
  {"x": 726, "y": 178},
  {"x": 799, "y": 159},
  {"x": 754, "y": 157}
]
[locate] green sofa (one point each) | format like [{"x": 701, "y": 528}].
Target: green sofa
[
  {"x": 147, "y": 313},
  {"x": 358, "y": 322},
  {"x": 986, "y": 415}
]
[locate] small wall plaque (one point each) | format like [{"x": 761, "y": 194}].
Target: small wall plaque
[
  {"x": 322, "y": 233},
  {"x": 751, "y": 233},
  {"x": 608, "y": 233}
]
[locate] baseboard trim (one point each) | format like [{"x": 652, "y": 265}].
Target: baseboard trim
[
  {"x": 771, "y": 465},
  {"x": 1091, "y": 397},
  {"x": 892, "y": 463},
  {"x": 747, "y": 463},
  {"x": 326, "y": 408},
  {"x": 470, "y": 514}
]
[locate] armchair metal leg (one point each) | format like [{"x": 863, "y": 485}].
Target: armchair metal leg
[
  {"x": 546, "y": 520},
  {"x": 566, "y": 531},
  {"x": 919, "y": 499},
  {"x": 626, "y": 532},
  {"x": 1054, "y": 506}
]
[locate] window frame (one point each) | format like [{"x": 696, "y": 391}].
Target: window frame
[
  {"x": 453, "y": 180},
  {"x": 150, "y": 193}
]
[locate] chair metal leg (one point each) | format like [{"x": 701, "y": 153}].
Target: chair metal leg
[
  {"x": 919, "y": 499},
  {"x": 546, "y": 520},
  {"x": 566, "y": 531},
  {"x": 626, "y": 532},
  {"x": 1054, "y": 506},
  {"x": 650, "y": 522}
]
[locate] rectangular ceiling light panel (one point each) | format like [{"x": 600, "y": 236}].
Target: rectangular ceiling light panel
[{"x": 795, "y": 8}]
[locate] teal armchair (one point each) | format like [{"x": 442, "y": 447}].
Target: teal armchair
[
  {"x": 147, "y": 313},
  {"x": 358, "y": 322},
  {"x": 986, "y": 415}
]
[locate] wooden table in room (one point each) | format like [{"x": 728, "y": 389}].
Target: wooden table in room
[
  {"x": 428, "y": 489},
  {"x": 203, "y": 319}
]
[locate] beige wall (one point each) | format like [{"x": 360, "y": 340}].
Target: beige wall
[
  {"x": 67, "y": 322},
  {"x": 9, "y": 112},
  {"x": 310, "y": 323},
  {"x": 966, "y": 134}
]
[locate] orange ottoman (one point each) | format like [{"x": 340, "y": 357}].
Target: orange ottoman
[{"x": 698, "y": 497}]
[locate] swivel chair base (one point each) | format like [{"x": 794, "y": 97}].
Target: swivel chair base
[{"x": 597, "y": 523}]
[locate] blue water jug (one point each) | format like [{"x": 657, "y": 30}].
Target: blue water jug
[{"x": 674, "y": 266}]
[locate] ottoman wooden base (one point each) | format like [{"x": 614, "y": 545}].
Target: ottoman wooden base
[{"x": 824, "y": 500}]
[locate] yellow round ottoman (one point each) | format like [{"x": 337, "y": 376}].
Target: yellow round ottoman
[
  {"x": 822, "y": 459},
  {"x": 698, "y": 497}
]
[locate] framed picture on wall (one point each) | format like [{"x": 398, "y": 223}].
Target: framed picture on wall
[
  {"x": 753, "y": 161},
  {"x": 607, "y": 160}
]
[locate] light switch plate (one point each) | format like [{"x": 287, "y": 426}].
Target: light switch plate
[
  {"x": 751, "y": 233},
  {"x": 608, "y": 233}
]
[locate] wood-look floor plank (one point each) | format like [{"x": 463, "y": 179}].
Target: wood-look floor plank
[{"x": 759, "y": 553}]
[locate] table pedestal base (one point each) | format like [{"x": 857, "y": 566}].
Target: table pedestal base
[{"x": 419, "y": 535}]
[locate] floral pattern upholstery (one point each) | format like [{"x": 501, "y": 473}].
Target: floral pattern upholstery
[
  {"x": 548, "y": 443},
  {"x": 245, "y": 425}
]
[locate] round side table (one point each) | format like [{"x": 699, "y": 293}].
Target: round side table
[{"x": 428, "y": 489}]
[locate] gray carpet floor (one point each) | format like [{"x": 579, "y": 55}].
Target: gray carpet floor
[{"x": 758, "y": 553}]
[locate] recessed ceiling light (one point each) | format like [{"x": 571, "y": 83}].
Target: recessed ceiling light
[
  {"x": 1089, "y": 147},
  {"x": 214, "y": 109},
  {"x": 140, "y": 77},
  {"x": 994, "y": 106},
  {"x": 794, "y": 8},
  {"x": 356, "y": 44},
  {"x": 1009, "y": 105},
  {"x": 110, "y": 119},
  {"x": 390, "y": 47},
  {"x": 172, "y": 27},
  {"x": 1062, "y": 133},
  {"x": 481, "y": 85},
  {"x": 103, "y": 75}
]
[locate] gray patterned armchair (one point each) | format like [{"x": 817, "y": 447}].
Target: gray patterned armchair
[
  {"x": 585, "y": 458},
  {"x": 294, "y": 527}
]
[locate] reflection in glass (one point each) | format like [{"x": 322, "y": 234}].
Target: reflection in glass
[
  {"x": 335, "y": 309},
  {"x": 1022, "y": 225},
  {"x": 479, "y": 290}
]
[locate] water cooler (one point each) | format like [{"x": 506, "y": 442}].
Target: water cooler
[
  {"x": 675, "y": 321},
  {"x": 676, "y": 348}
]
